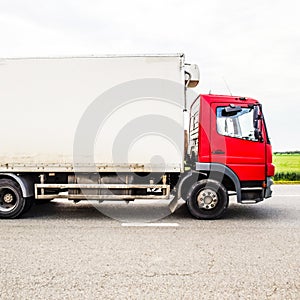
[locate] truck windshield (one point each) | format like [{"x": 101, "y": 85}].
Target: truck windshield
[{"x": 240, "y": 125}]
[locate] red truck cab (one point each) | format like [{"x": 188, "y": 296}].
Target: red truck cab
[{"x": 230, "y": 150}]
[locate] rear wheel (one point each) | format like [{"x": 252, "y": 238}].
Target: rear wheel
[
  {"x": 207, "y": 199},
  {"x": 12, "y": 202},
  {"x": 28, "y": 204}
]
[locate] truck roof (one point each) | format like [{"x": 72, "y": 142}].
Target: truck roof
[
  {"x": 101, "y": 56},
  {"x": 226, "y": 98}
]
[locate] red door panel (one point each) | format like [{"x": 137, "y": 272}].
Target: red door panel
[{"x": 234, "y": 144}]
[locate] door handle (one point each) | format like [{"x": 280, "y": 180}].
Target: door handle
[{"x": 218, "y": 151}]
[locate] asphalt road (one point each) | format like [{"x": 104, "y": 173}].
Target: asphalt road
[{"x": 67, "y": 251}]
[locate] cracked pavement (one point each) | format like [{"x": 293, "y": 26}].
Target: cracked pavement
[{"x": 66, "y": 251}]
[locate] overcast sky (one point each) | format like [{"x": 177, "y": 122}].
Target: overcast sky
[{"x": 254, "y": 45}]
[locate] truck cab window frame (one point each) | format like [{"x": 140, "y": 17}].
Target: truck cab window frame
[{"x": 240, "y": 125}]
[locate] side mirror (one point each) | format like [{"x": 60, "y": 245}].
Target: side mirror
[
  {"x": 258, "y": 135},
  {"x": 256, "y": 118}
]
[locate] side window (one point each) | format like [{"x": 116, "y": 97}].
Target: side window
[
  {"x": 238, "y": 125},
  {"x": 194, "y": 130}
]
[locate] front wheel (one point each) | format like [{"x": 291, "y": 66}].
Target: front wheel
[
  {"x": 207, "y": 199},
  {"x": 12, "y": 202}
]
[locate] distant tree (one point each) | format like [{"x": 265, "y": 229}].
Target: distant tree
[{"x": 286, "y": 152}]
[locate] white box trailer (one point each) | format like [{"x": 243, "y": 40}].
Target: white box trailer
[
  {"x": 63, "y": 119},
  {"x": 43, "y": 100}
]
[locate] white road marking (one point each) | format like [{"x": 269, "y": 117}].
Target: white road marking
[
  {"x": 285, "y": 195},
  {"x": 150, "y": 224}
]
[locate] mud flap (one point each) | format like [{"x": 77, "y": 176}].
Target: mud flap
[{"x": 173, "y": 204}]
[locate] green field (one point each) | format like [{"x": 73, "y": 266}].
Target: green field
[
  {"x": 287, "y": 162},
  {"x": 287, "y": 167}
]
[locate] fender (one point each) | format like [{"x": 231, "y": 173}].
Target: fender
[
  {"x": 26, "y": 183},
  {"x": 184, "y": 178},
  {"x": 222, "y": 169}
]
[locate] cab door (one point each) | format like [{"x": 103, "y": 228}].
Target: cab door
[{"x": 236, "y": 140}]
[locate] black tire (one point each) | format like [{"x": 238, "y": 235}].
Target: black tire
[
  {"x": 12, "y": 202},
  {"x": 28, "y": 204},
  {"x": 207, "y": 199}
]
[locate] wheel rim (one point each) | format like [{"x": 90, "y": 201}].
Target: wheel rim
[
  {"x": 8, "y": 199},
  {"x": 207, "y": 199}
]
